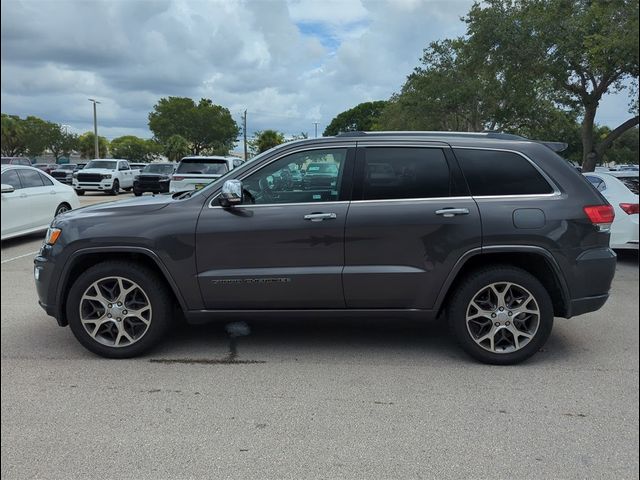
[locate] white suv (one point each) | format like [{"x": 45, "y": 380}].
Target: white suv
[{"x": 194, "y": 173}]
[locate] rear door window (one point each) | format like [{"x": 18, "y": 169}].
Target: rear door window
[
  {"x": 405, "y": 172},
  {"x": 30, "y": 178},
  {"x": 203, "y": 167},
  {"x": 497, "y": 173}
]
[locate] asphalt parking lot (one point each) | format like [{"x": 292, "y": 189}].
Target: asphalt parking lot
[{"x": 316, "y": 399}]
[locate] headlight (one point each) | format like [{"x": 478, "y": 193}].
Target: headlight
[
  {"x": 52, "y": 236},
  {"x": 106, "y": 177}
]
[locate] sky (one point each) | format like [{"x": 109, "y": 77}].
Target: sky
[{"x": 289, "y": 63}]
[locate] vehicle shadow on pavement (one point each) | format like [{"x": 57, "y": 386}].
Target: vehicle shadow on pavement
[
  {"x": 19, "y": 241},
  {"x": 628, "y": 257}
]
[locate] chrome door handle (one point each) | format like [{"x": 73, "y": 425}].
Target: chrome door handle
[
  {"x": 318, "y": 217},
  {"x": 452, "y": 212}
]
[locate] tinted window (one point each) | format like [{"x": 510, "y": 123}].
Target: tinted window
[
  {"x": 30, "y": 178},
  {"x": 124, "y": 166},
  {"x": 45, "y": 180},
  {"x": 158, "y": 168},
  {"x": 203, "y": 166},
  {"x": 10, "y": 177},
  {"x": 631, "y": 184},
  {"x": 106, "y": 164},
  {"x": 405, "y": 173},
  {"x": 282, "y": 182},
  {"x": 490, "y": 172},
  {"x": 597, "y": 182}
]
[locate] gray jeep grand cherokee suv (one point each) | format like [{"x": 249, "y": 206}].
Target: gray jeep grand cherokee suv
[{"x": 495, "y": 233}]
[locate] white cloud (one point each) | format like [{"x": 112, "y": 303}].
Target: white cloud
[{"x": 289, "y": 63}]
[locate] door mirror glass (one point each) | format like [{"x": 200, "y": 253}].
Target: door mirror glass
[
  {"x": 7, "y": 188},
  {"x": 232, "y": 193}
]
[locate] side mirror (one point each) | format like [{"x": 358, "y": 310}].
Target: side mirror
[
  {"x": 7, "y": 188},
  {"x": 232, "y": 193}
]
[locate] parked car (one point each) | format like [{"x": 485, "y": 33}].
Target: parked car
[
  {"x": 621, "y": 192},
  {"x": 494, "y": 234},
  {"x": 104, "y": 175},
  {"x": 138, "y": 166},
  {"x": 31, "y": 199},
  {"x": 194, "y": 173},
  {"x": 16, "y": 161},
  {"x": 64, "y": 173},
  {"x": 320, "y": 175},
  {"x": 46, "y": 167},
  {"x": 154, "y": 177}
]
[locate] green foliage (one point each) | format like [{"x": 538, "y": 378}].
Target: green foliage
[
  {"x": 265, "y": 139},
  {"x": 61, "y": 143},
  {"x": 576, "y": 51},
  {"x": 13, "y": 136},
  {"x": 625, "y": 149},
  {"x": 208, "y": 128},
  {"x": 362, "y": 117},
  {"x": 134, "y": 148},
  {"x": 86, "y": 145},
  {"x": 176, "y": 147}
]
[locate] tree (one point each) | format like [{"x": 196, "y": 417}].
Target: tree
[
  {"x": 38, "y": 135},
  {"x": 208, "y": 128},
  {"x": 579, "y": 50},
  {"x": 61, "y": 143},
  {"x": 135, "y": 148},
  {"x": 13, "y": 136},
  {"x": 624, "y": 150},
  {"x": 362, "y": 117},
  {"x": 266, "y": 139},
  {"x": 176, "y": 147},
  {"x": 87, "y": 148}
]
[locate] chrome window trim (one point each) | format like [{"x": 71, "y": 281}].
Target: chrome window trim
[
  {"x": 275, "y": 159},
  {"x": 556, "y": 191},
  {"x": 260, "y": 205},
  {"x": 414, "y": 199}
]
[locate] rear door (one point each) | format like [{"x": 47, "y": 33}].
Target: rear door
[
  {"x": 410, "y": 220},
  {"x": 15, "y": 210}
]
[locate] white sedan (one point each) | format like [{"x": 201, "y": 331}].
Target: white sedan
[
  {"x": 621, "y": 191},
  {"x": 31, "y": 199}
]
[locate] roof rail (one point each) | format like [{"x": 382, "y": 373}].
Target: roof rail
[{"x": 555, "y": 146}]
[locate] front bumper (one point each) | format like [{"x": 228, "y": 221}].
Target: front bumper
[
  {"x": 157, "y": 186},
  {"x": 46, "y": 284},
  {"x": 104, "y": 185}
]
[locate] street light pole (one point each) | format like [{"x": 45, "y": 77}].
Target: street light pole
[
  {"x": 95, "y": 128},
  {"x": 316, "y": 125},
  {"x": 244, "y": 131}
]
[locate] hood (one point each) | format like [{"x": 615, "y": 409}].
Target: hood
[
  {"x": 97, "y": 170},
  {"x": 130, "y": 206}
]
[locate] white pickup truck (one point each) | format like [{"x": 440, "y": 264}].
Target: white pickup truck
[{"x": 104, "y": 175}]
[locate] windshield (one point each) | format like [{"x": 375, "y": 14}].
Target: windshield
[
  {"x": 158, "y": 168},
  {"x": 322, "y": 168},
  {"x": 68, "y": 166},
  {"x": 631, "y": 183},
  {"x": 106, "y": 164},
  {"x": 204, "y": 167}
]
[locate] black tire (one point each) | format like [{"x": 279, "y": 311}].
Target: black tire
[
  {"x": 63, "y": 207},
  {"x": 115, "y": 188},
  {"x": 137, "y": 193},
  {"x": 467, "y": 290},
  {"x": 154, "y": 288},
  {"x": 80, "y": 192}
]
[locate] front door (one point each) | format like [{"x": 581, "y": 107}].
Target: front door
[
  {"x": 283, "y": 248},
  {"x": 410, "y": 220}
]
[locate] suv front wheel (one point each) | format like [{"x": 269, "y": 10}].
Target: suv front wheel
[
  {"x": 501, "y": 315},
  {"x": 118, "y": 309}
]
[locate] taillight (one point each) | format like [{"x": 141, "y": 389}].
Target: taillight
[
  {"x": 177, "y": 179},
  {"x": 601, "y": 216},
  {"x": 630, "y": 208}
]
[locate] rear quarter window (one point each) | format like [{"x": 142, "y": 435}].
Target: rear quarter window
[{"x": 497, "y": 173}]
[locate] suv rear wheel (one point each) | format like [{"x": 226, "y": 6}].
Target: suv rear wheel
[
  {"x": 118, "y": 309},
  {"x": 501, "y": 315}
]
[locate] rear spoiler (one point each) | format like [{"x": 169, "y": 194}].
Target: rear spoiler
[{"x": 555, "y": 146}]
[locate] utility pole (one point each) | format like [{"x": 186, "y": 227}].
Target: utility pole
[
  {"x": 316, "y": 125},
  {"x": 244, "y": 131},
  {"x": 95, "y": 128}
]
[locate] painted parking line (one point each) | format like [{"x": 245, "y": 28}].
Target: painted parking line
[{"x": 19, "y": 256}]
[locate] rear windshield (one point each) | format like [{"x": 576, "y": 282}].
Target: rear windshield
[
  {"x": 631, "y": 183},
  {"x": 202, "y": 166},
  {"x": 158, "y": 168},
  {"x": 106, "y": 164}
]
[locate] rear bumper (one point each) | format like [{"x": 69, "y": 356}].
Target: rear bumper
[{"x": 590, "y": 282}]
